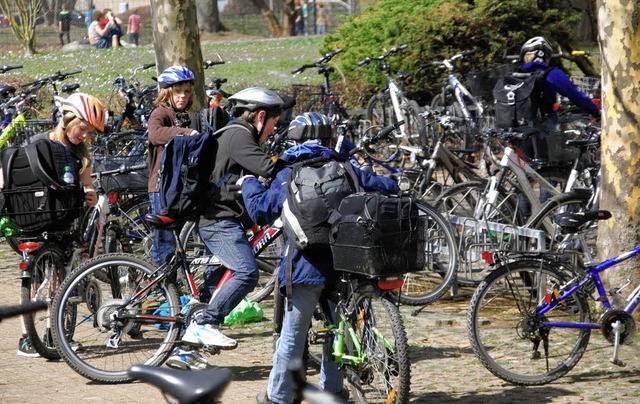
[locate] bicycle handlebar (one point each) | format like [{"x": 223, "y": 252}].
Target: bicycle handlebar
[
  {"x": 123, "y": 169},
  {"x": 390, "y": 52},
  {"x": 29, "y": 307},
  {"x": 320, "y": 63},
  {"x": 583, "y": 53},
  {"x": 6, "y": 68},
  {"x": 59, "y": 76},
  {"x": 210, "y": 63}
]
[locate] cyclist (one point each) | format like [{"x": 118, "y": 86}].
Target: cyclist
[
  {"x": 311, "y": 271},
  {"x": 83, "y": 114},
  {"x": 169, "y": 118},
  {"x": 222, "y": 225}
]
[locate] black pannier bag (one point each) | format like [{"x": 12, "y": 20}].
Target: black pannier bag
[
  {"x": 35, "y": 197},
  {"x": 377, "y": 235}
]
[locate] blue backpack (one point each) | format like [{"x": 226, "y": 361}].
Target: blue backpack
[{"x": 185, "y": 170}]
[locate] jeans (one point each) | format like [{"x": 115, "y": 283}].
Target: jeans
[
  {"x": 163, "y": 242},
  {"x": 227, "y": 240},
  {"x": 291, "y": 345}
]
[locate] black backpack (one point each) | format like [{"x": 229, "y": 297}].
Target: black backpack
[
  {"x": 316, "y": 188},
  {"x": 185, "y": 172},
  {"x": 35, "y": 196},
  {"x": 518, "y": 99}
]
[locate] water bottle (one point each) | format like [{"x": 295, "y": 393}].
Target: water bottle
[{"x": 68, "y": 177}]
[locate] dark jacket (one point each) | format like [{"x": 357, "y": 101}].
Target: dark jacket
[
  {"x": 238, "y": 154},
  {"x": 164, "y": 124},
  {"x": 558, "y": 82},
  {"x": 265, "y": 205}
]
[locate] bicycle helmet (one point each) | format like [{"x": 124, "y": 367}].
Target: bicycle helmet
[
  {"x": 255, "y": 98},
  {"x": 174, "y": 75},
  {"x": 539, "y": 44},
  {"x": 86, "y": 107},
  {"x": 308, "y": 126}
]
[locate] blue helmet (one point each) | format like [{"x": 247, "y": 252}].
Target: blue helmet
[
  {"x": 308, "y": 126},
  {"x": 175, "y": 74}
]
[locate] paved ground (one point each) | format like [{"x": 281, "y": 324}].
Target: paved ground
[{"x": 444, "y": 368}]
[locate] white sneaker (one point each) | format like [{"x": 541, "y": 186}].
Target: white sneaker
[
  {"x": 186, "y": 359},
  {"x": 207, "y": 334}
]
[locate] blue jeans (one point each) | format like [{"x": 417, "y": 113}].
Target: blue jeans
[
  {"x": 291, "y": 344},
  {"x": 227, "y": 240},
  {"x": 163, "y": 242}
]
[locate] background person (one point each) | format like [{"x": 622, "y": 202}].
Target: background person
[
  {"x": 64, "y": 24},
  {"x": 133, "y": 28}
]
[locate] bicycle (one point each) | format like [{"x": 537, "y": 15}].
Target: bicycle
[
  {"x": 214, "y": 90},
  {"x": 56, "y": 113},
  {"x": 460, "y": 102},
  {"x": 131, "y": 101},
  {"x": 530, "y": 320},
  {"x": 16, "y": 128},
  {"x": 390, "y": 105},
  {"x": 128, "y": 311}
]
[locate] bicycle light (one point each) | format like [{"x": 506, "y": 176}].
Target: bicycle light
[{"x": 391, "y": 283}]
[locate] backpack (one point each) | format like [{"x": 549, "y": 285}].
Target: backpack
[
  {"x": 316, "y": 187},
  {"x": 35, "y": 197},
  {"x": 185, "y": 170},
  {"x": 518, "y": 99}
]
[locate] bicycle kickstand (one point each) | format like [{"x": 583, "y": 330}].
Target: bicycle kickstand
[{"x": 617, "y": 329}]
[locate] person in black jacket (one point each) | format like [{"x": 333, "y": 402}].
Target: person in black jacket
[{"x": 223, "y": 224}]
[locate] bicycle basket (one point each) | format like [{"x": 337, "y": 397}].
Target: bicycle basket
[
  {"x": 590, "y": 85},
  {"x": 386, "y": 238},
  {"x": 481, "y": 84}
]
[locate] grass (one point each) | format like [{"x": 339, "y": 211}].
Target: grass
[{"x": 262, "y": 62}]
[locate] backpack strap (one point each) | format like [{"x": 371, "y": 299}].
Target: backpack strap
[
  {"x": 289, "y": 277},
  {"x": 36, "y": 167}
]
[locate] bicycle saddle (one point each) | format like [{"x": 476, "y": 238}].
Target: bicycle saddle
[
  {"x": 573, "y": 221},
  {"x": 6, "y": 91},
  {"x": 186, "y": 386},
  {"x": 162, "y": 222},
  {"x": 69, "y": 88}
]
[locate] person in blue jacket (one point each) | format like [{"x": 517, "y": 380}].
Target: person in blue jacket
[
  {"x": 311, "y": 271},
  {"x": 535, "y": 55}
]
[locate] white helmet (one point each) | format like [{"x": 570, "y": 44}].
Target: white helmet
[
  {"x": 537, "y": 43},
  {"x": 255, "y": 98}
]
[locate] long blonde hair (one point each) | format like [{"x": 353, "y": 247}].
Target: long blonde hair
[{"x": 66, "y": 124}]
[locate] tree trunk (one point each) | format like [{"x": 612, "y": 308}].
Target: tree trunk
[
  {"x": 209, "y": 16},
  {"x": 274, "y": 25},
  {"x": 289, "y": 18},
  {"x": 177, "y": 40},
  {"x": 25, "y": 32},
  {"x": 619, "y": 34}
]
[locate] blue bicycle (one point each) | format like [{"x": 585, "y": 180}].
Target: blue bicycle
[{"x": 530, "y": 320}]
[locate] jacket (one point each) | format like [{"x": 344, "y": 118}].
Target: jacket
[
  {"x": 558, "y": 82},
  {"x": 164, "y": 124},
  {"x": 238, "y": 154},
  {"x": 265, "y": 205}
]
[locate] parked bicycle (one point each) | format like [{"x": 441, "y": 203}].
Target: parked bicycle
[
  {"x": 530, "y": 320},
  {"x": 54, "y": 80},
  {"x": 391, "y": 105},
  {"x": 214, "y": 90},
  {"x": 131, "y": 103}
]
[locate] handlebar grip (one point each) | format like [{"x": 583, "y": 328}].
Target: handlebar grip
[
  {"x": 148, "y": 65},
  {"x": 299, "y": 70},
  {"x": 72, "y": 73},
  {"x": 364, "y": 62}
]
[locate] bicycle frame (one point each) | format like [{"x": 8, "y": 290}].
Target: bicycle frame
[{"x": 461, "y": 94}]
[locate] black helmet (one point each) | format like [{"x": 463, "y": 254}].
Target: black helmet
[
  {"x": 537, "y": 43},
  {"x": 308, "y": 126},
  {"x": 255, "y": 98}
]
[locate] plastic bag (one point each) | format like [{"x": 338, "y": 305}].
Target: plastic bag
[{"x": 245, "y": 312}]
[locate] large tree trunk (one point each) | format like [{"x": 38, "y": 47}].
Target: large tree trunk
[
  {"x": 25, "y": 32},
  {"x": 274, "y": 25},
  {"x": 208, "y": 16},
  {"x": 289, "y": 17},
  {"x": 619, "y": 34},
  {"x": 177, "y": 40}
]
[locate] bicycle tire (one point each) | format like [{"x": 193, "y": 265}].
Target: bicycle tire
[
  {"x": 267, "y": 265},
  {"x": 84, "y": 345},
  {"x": 504, "y": 329},
  {"x": 315, "y": 104},
  {"x": 384, "y": 376},
  {"x": 139, "y": 234},
  {"x": 47, "y": 274},
  {"x": 441, "y": 262},
  {"x": 458, "y": 137},
  {"x": 379, "y": 110},
  {"x": 381, "y": 149}
]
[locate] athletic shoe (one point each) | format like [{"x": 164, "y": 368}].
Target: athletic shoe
[
  {"x": 186, "y": 360},
  {"x": 207, "y": 334},
  {"x": 26, "y": 349}
]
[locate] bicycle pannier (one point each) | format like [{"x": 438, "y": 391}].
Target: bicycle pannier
[
  {"x": 315, "y": 189},
  {"x": 36, "y": 198},
  {"x": 377, "y": 235}
]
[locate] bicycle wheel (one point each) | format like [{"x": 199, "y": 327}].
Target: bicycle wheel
[
  {"x": 441, "y": 262},
  {"x": 315, "y": 104},
  {"x": 109, "y": 336},
  {"x": 384, "y": 374},
  {"x": 136, "y": 229},
  {"x": 458, "y": 137},
  {"x": 268, "y": 261},
  {"x": 415, "y": 124},
  {"x": 381, "y": 149},
  {"x": 508, "y": 336},
  {"x": 380, "y": 110},
  {"x": 48, "y": 271}
]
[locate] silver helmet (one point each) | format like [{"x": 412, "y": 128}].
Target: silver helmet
[
  {"x": 539, "y": 44},
  {"x": 255, "y": 98}
]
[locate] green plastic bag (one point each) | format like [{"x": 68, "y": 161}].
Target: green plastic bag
[{"x": 245, "y": 312}]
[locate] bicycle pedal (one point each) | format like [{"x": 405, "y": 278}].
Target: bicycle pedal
[{"x": 212, "y": 349}]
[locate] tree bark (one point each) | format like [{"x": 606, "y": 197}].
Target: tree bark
[
  {"x": 177, "y": 40},
  {"x": 289, "y": 18},
  {"x": 209, "y": 16},
  {"x": 25, "y": 32},
  {"x": 274, "y": 25},
  {"x": 619, "y": 33}
]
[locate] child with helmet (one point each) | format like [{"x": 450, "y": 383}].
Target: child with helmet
[
  {"x": 311, "y": 270},
  {"x": 224, "y": 221},
  {"x": 83, "y": 115}
]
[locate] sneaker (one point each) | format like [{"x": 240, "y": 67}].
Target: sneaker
[
  {"x": 26, "y": 349},
  {"x": 263, "y": 398},
  {"x": 207, "y": 334},
  {"x": 186, "y": 360}
]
